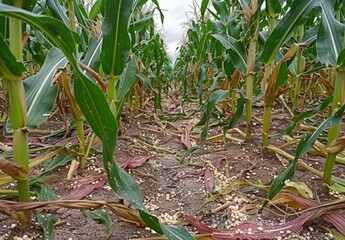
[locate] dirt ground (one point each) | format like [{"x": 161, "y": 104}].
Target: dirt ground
[{"x": 171, "y": 188}]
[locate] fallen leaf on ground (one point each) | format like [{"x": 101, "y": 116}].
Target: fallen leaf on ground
[
  {"x": 185, "y": 138},
  {"x": 332, "y": 217},
  {"x": 257, "y": 231},
  {"x": 83, "y": 188},
  {"x": 134, "y": 162}
]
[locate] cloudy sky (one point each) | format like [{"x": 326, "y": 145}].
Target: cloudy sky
[{"x": 176, "y": 12}]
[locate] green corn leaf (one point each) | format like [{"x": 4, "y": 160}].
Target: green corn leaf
[
  {"x": 324, "y": 104},
  {"x": 279, "y": 182},
  {"x": 92, "y": 59},
  {"x": 44, "y": 192},
  {"x": 58, "y": 11},
  {"x": 238, "y": 51},
  {"x": 169, "y": 231},
  {"x": 222, "y": 10},
  {"x": 341, "y": 59},
  {"x": 140, "y": 4},
  {"x": 116, "y": 41},
  {"x": 201, "y": 78},
  {"x": 203, "y": 8},
  {"x": 216, "y": 97},
  {"x": 273, "y": 7},
  {"x": 40, "y": 93},
  {"x": 96, "y": 9},
  {"x": 297, "y": 14},
  {"x": 237, "y": 115},
  {"x": 127, "y": 80},
  {"x": 146, "y": 81},
  {"x": 10, "y": 68},
  {"x": 189, "y": 152},
  {"x": 59, "y": 161},
  {"x": 310, "y": 35},
  {"x": 143, "y": 22},
  {"x": 27, "y": 4},
  {"x": 95, "y": 108},
  {"x": 336, "y": 187},
  {"x": 103, "y": 217},
  {"x": 201, "y": 51},
  {"x": 305, "y": 146},
  {"x": 47, "y": 221},
  {"x": 56, "y": 31},
  {"x": 330, "y": 37},
  {"x": 159, "y": 9}
]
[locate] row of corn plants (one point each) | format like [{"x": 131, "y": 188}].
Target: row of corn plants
[
  {"x": 236, "y": 53},
  {"x": 291, "y": 52},
  {"x": 100, "y": 60}
]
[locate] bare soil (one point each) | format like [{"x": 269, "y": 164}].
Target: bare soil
[{"x": 171, "y": 188}]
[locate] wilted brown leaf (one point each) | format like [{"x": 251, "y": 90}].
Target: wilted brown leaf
[
  {"x": 125, "y": 213},
  {"x": 14, "y": 170}
]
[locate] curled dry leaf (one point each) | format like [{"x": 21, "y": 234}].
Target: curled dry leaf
[
  {"x": 12, "y": 169},
  {"x": 125, "y": 213},
  {"x": 337, "y": 146},
  {"x": 185, "y": 138},
  {"x": 257, "y": 231},
  {"x": 134, "y": 162},
  {"x": 298, "y": 202},
  {"x": 253, "y": 230}
]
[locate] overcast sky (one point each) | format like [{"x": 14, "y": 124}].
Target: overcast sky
[{"x": 174, "y": 16}]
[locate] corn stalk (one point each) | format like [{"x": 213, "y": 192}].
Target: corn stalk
[{"x": 18, "y": 117}]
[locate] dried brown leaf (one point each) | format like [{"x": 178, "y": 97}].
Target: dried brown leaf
[
  {"x": 14, "y": 170},
  {"x": 125, "y": 213}
]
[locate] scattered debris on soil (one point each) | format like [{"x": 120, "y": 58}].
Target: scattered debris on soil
[{"x": 218, "y": 185}]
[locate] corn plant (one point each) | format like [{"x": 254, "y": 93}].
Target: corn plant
[
  {"x": 280, "y": 48},
  {"x": 328, "y": 32},
  {"x": 100, "y": 110}
]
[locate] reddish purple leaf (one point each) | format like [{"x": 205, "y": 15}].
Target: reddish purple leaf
[
  {"x": 253, "y": 230},
  {"x": 209, "y": 179},
  {"x": 134, "y": 162},
  {"x": 84, "y": 187},
  {"x": 218, "y": 161},
  {"x": 185, "y": 138},
  {"x": 256, "y": 231},
  {"x": 332, "y": 217}
]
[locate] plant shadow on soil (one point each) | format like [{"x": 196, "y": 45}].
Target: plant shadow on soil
[{"x": 171, "y": 189}]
